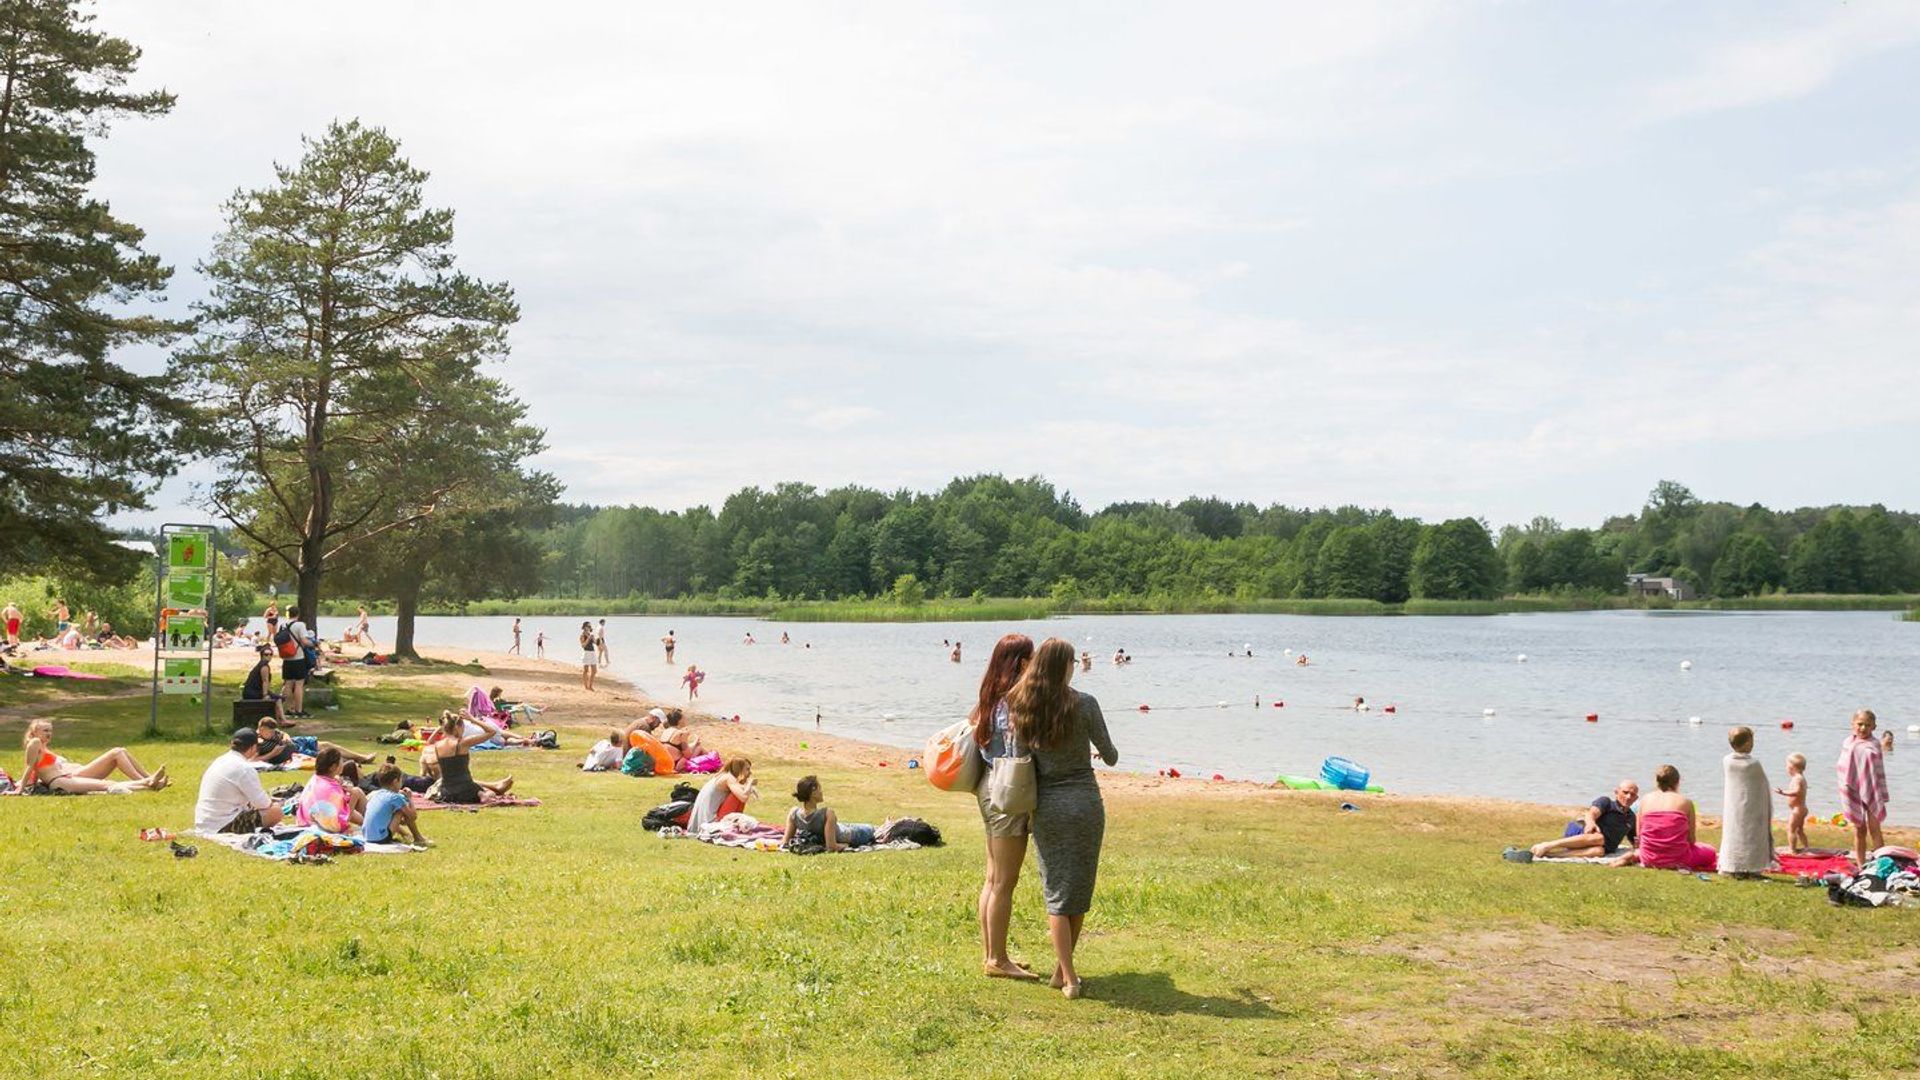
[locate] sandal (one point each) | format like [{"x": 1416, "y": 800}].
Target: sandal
[
  {"x": 1020, "y": 973},
  {"x": 1073, "y": 990}
]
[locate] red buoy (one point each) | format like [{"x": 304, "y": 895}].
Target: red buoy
[
  {"x": 1786, "y": 725},
  {"x": 1279, "y": 704},
  {"x": 1174, "y": 773},
  {"x": 1217, "y": 776},
  {"x": 1593, "y": 718},
  {"x": 1391, "y": 708},
  {"x": 1143, "y": 708}
]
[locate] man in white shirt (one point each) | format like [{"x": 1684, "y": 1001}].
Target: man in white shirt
[{"x": 232, "y": 799}]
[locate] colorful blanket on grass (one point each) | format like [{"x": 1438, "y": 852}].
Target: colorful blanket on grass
[
  {"x": 1815, "y": 863},
  {"x": 279, "y": 847}
]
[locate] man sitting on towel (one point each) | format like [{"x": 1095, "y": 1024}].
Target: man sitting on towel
[{"x": 1609, "y": 821}]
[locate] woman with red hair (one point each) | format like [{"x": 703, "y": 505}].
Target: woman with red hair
[{"x": 1006, "y": 833}]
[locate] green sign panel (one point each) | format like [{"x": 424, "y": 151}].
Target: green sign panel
[
  {"x": 187, "y": 589},
  {"x": 181, "y": 677},
  {"x": 186, "y": 632},
  {"x": 189, "y": 551}
]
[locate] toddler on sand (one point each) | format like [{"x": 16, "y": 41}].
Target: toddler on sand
[{"x": 1796, "y": 794}]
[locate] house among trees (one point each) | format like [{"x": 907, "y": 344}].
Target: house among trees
[{"x": 1648, "y": 585}]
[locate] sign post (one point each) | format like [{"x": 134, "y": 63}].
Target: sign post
[{"x": 183, "y": 623}]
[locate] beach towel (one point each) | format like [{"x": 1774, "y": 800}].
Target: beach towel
[
  {"x": 1862, "y": 772},
  {"x": 1664, "y": 844},
  {"x": 738, "y": 830},
  {"x": 487, "y": 799},
  {"x": 1814, "y": 863},
  {"x": 58, "y": 671},
  {"x": 1595, "y": 860},
  {"x": 708, "y": 762},
  {"x": 1746, "y": 828},
  {"x": 279, "y": 848}
]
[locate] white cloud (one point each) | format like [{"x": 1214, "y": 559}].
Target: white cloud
[{"x": 1788, "y": 63}]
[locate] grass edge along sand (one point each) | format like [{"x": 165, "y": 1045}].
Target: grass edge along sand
[{"x": 1236, "y": 931}]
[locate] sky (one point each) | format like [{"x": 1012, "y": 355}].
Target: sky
[{"x": 1488, "y": 259}]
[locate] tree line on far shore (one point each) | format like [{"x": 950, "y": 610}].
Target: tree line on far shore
[
  {"x": 335, "y": 374},
  {"x": 992, "y": 536}
]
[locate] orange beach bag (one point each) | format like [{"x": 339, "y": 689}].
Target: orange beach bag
[{"x": 952, "y": 760}]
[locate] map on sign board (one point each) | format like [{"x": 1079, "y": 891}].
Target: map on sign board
[
  {"x": 187, "y": 589},
  {"x": 181, "y": 677},
  {"x": 189, "y": 551}
]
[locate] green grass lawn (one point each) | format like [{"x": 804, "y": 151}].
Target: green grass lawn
[{"x": 1277, "y": 936}]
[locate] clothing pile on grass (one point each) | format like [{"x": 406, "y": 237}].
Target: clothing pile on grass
[{"x": 1891, "y": 878}]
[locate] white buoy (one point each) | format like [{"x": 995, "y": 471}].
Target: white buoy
[
  {"x": 1686, "y": 665},
  {"x": 1694, "y": 720},
  {"x": 887, "y": 717},
  {"x": 1286, "y": 652},
  {"x": 1220, "y": 704},
  {"x": 1486, "y": 712},
  {"x": 1521, "y": 659},
  {"x": 1913, "y": 729}
]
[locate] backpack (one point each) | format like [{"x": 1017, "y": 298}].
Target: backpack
[
  {"x": 546, "y": 740},
  {"x": 684, "y": 792},
  {"x": 673, "y": 813},
  {"x": 912, "y": 829},
  {"x": 637, "y": 763},
  {"x": 283, "y": 643}
]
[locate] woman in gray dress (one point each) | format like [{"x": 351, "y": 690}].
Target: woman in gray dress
[{"x": 1056, "y": 725}]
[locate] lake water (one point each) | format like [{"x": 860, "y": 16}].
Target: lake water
[{"x": 1813, "y": 668}]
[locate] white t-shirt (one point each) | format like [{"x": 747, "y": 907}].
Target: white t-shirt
[
  {"x": 230, "y": 786},
  {"x": 604, "y": 757}
]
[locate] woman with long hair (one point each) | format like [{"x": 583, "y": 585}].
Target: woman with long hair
[
  {"x": 1006, "y": 833},
  {"x": 1056, "y": 724},
  {"x": 56, "y": 772}
]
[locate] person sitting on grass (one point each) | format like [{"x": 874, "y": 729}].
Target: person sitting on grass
[
  {"x": 453, "y": 760},
  {"x": 812, "y": 820},
  {"x": 727, "y": 792},
  {"x": 389, "y": 812},
  {"x": 651, "y": 722},
  {"x": 232, "y": 799},
  {"x": 110, "y": 640},
  {"x": 680, "y": 740},
  {"x": 1669, "y": 830},
  {"x": 278, "y": 748},
  {"x": 43, "y": 766},
  {"x": 327, "y": 803},
  {"x": 1608, "y": 822},
  {"x": 255, "y": 688},
  {"x": 607, "y": 753}
]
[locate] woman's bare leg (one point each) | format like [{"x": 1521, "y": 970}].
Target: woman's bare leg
[
  {"x": 1004, "y": 857},
  {"x": 500, "y": 788},
  {"x": 1060, "y": 928},
  {"x": 103, "y": 766}
]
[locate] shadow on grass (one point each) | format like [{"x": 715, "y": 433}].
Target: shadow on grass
[{"x": 1154, "y": 992}]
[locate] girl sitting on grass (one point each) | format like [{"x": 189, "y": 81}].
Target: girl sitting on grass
[
  {"x": 328, "y": 803},
  {"x": 46, "y": 767},
  {"x": 728, "y": 792},
  {"x": 811, "y": 819}
]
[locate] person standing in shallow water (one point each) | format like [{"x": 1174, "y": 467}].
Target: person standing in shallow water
[
  {"x": 589, "y": 656},
  {"x": 1056, "y": 725},
  {"x": 514, "y": 649}
]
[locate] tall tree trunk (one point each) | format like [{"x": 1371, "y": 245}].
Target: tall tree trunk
[
  {"x": 307, "y": 585},
  {"x": 406, "y": 605}
]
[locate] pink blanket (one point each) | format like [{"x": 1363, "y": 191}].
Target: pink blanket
[{"x": 57, "y": 671}]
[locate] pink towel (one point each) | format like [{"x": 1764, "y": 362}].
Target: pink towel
[
  {"x": 1664, "y": 844},
  {"x": 1863, "y": 780}
]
